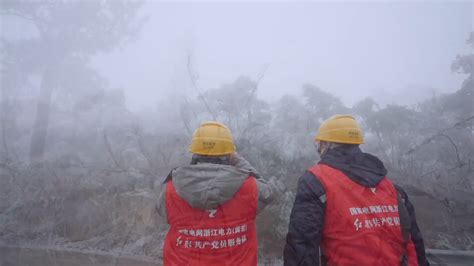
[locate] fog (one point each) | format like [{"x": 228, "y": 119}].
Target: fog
[
  {"x": 99, "y": 101},
  {"x": 352, "y": 50}
]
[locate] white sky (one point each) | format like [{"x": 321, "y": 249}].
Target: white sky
[
  {"x": 349, "y": 49},
  {"x": 394, "y": 51}
]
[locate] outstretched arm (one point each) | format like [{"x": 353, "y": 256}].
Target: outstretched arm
[
  {"x": 268, "y": 188},
  {"x": 239, "y": 161},
  {"x": 160, "y": 192}
]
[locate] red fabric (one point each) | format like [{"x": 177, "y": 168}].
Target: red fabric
[
  {"x": 224, "y": 236},
  {"x": 361, "y": 226}
]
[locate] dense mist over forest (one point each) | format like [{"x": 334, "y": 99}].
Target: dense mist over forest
[{"x": 99, "y": 100}]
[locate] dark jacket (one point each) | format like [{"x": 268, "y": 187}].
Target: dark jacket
[{"x": 307, "y": 216}]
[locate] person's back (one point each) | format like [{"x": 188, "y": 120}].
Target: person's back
[
  {"x": 211, "y": 206},
  {"x": 347, "y": 208},
  {"x": 213, "y": 223},
  {"x": 361, "y": 222}
]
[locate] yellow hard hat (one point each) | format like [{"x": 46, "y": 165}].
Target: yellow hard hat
[
  {"x": 340, "y": 129},
  {"x": 212, "y": 138}
]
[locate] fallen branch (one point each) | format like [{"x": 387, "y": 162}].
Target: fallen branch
[{"x": 440, "y": 133}]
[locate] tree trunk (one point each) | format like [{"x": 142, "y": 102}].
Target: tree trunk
[
  {"x": 4, "y": 121},
  {"x": 40, "y": 130}
]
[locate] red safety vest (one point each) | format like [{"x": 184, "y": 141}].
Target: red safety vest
[
  {"x": 361, "y": 224},
  {"x": 222, "y": 236}
]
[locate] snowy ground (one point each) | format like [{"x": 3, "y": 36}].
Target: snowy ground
[
  {"x": 10, "y": 256},
  {"x": 95, "y": 218}
]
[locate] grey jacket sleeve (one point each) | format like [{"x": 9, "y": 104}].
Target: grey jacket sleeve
[
  {"x": 238, "y": 161},
  {"x": 268, "y": 188},
  {"x": 160, "y": 193}
]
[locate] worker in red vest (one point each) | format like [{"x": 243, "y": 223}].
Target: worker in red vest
[
  {"x": 347, "y": 211},
  {"x": 211, "y": 205}
]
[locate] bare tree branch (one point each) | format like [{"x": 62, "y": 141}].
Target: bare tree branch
[
  {"x": 20, "y": 15},
  {"x": 455, "y": 148},
  {"x": 260, "y": 77},
  {"x": 111, "y": 152},
  {"x": 428, "y": 140},
  {"x": 194, "y": 77},
  {"x": 142, "y": 149}
]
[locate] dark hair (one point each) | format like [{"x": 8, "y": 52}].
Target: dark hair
[{"x": 210, "y": 159}]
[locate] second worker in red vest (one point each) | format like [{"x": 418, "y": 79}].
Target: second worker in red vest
[
  {"x": 348, "y": 209},
  {"x": 211, "y": 205}
]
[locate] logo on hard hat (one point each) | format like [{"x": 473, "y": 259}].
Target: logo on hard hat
[
  {"x": 353, "y": 134},
  {"x": 208, "y": 144}
]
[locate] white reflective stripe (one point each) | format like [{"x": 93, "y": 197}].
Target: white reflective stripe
[{"x": 323, "y": 198}]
